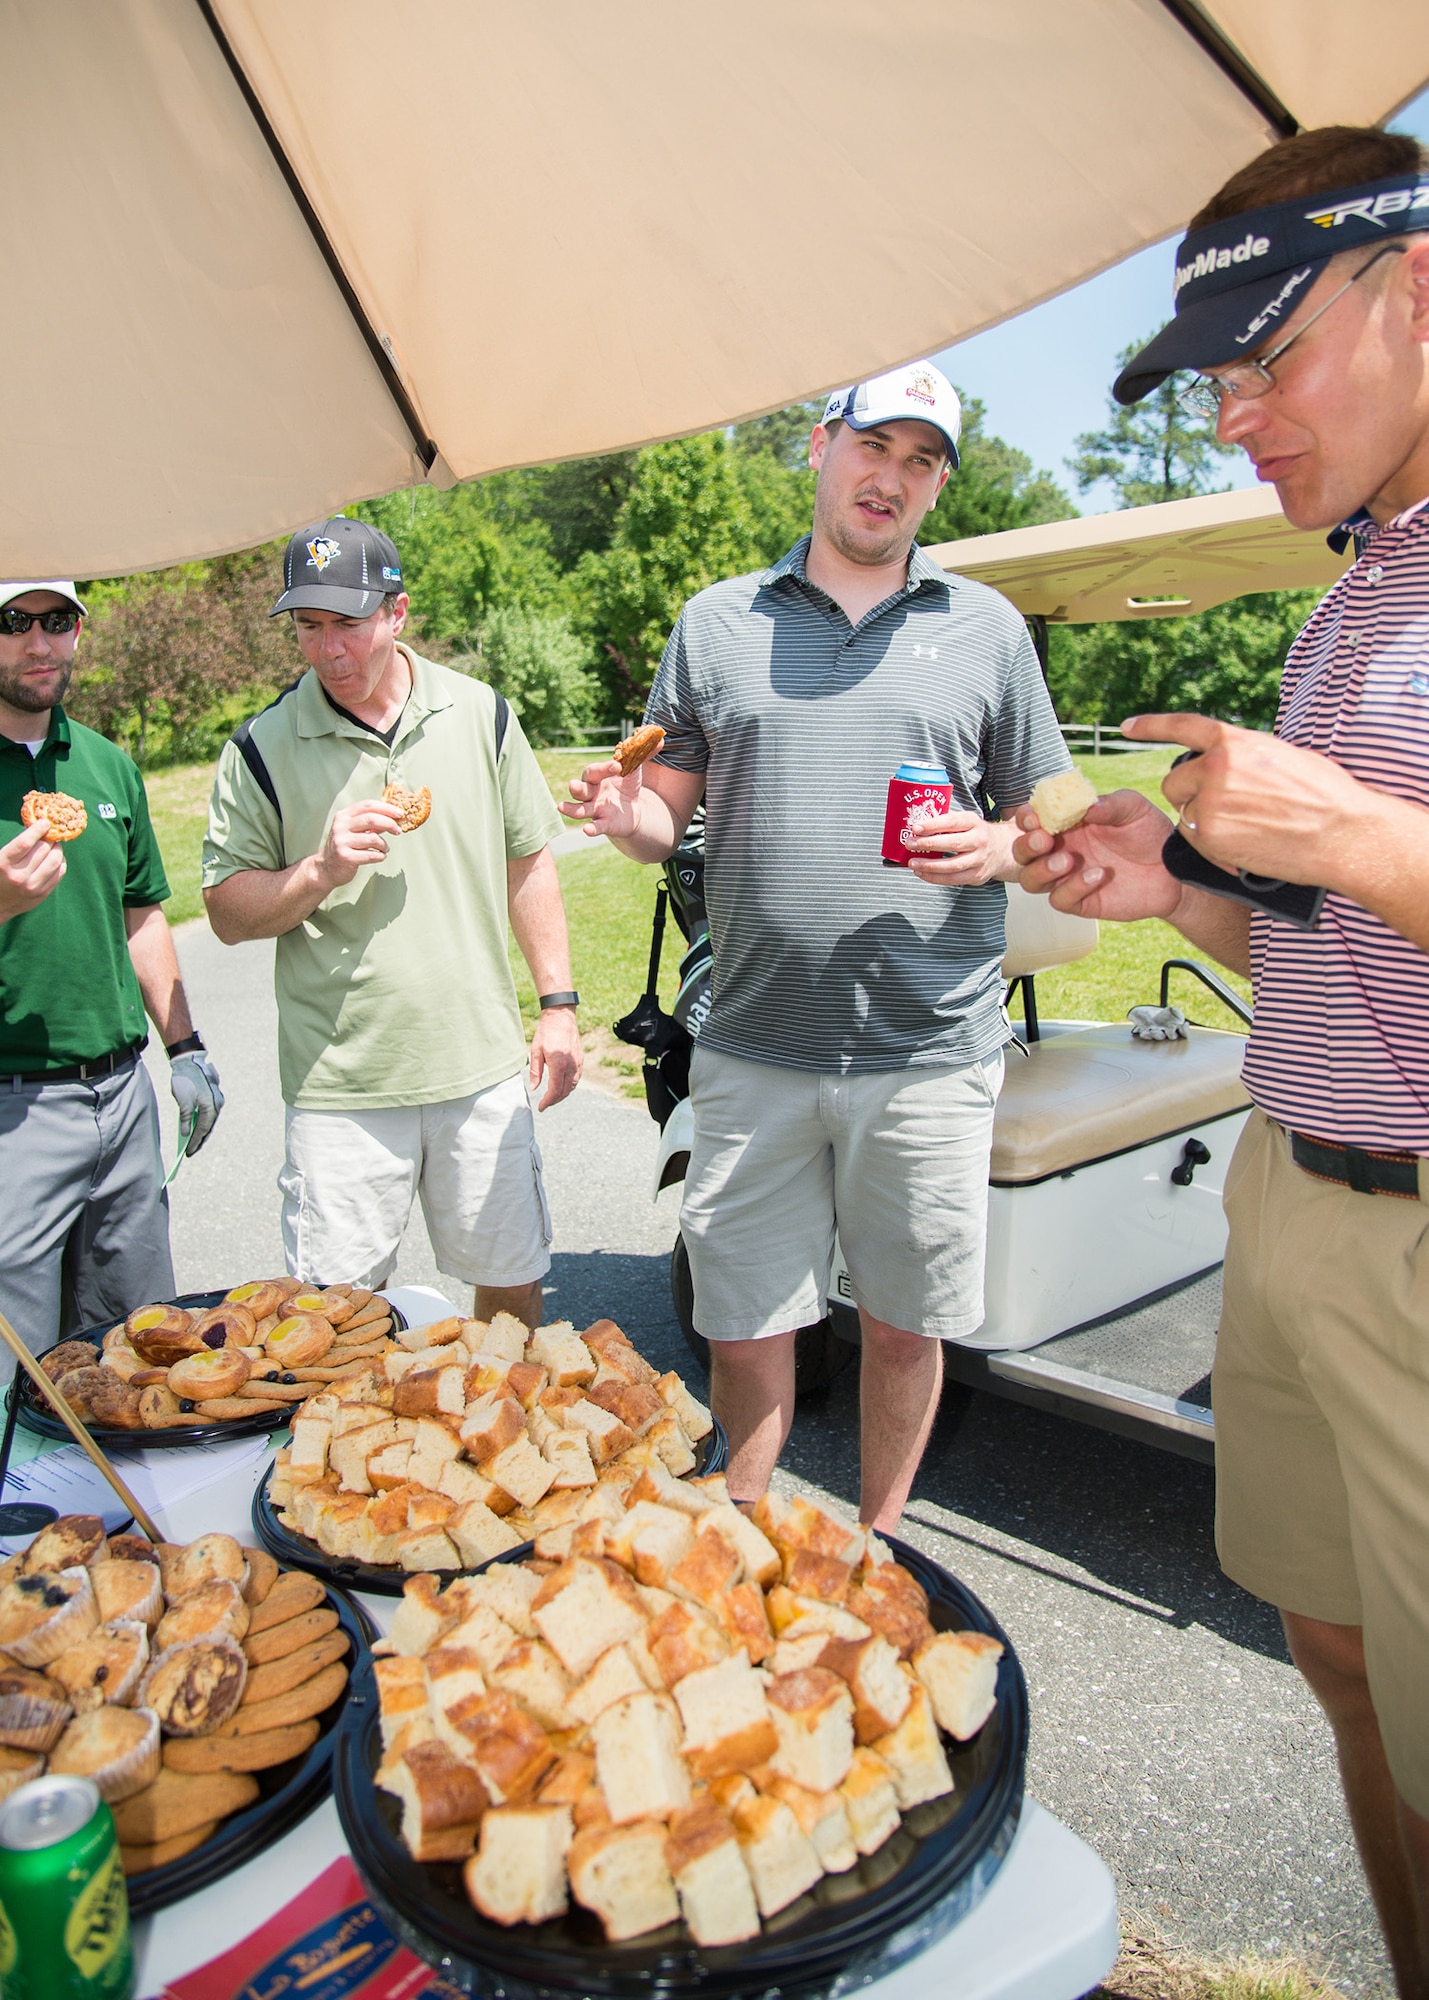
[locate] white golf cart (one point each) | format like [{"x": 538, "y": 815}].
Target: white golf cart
[{"x": 1105, "y": 1227}]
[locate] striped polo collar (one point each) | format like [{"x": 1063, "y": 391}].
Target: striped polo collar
[
  {"x": 922, "y": 569},
  {"x": 1361, "y": 528}
]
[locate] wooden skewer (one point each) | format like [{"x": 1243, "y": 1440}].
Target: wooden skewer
[{"x": 59, "y": 1403}]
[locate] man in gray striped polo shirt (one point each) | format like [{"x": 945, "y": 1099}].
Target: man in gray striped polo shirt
[{"x": 848, "y": 1070}]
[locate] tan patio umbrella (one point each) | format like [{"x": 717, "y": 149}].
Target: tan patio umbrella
[
  {"x": 1149, "y": 562},
  {"x": 267, "y": 257}
]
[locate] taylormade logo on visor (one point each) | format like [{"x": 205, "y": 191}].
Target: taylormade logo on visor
[{"x": 1206, "y": 261}]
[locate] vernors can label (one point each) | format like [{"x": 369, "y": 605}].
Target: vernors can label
[
  {"x": 64, "y": 1909},
  {"x": 916, "y": 794}
]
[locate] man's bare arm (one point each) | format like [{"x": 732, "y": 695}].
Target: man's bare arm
[
  {"x": 264, "y": 903},
  {"x": 538, "y": 923},
  {"x": 156, "y": 967},
  {"x": 644, "y": 815}
]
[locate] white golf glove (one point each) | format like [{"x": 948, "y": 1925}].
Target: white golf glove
[
  {"x": 1157, "y": 1024},
  {"x": 194, "y": 1082}
]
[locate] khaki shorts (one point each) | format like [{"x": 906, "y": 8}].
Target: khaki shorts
[
  {"x": 895, "y": 1161},
  {"x": 1321, "y": 1395},
  {"x": 351, "y": 1178}
]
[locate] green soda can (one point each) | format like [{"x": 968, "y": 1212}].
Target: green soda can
[{"x": 64, "y": 1910}]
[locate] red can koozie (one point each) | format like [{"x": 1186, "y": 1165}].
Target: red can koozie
[{"x": 916, "y": 794}]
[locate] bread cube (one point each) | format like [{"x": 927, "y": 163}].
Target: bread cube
[
  {"x": 880, "y": 1688},
  {"x": 353, "y": 1415},
  {"x": 684, "y": 1495},
  {"x": 387, "y": 1510},
  {"x": 606, "y": 1436},
  {"x": 349, "y": 1452},
  {"x": 798, "y": 1524},
  {"x": 461, "y": 1482},
  {"x": 531, "y": 1674},
  {"x": 813, "y": 1715},
  {"x": 479, "y": 1534},
  {"x": 487, "y": 1373},
  {"x": 620, "y": 1873},
  {"x": 427, "y": 1549},
  {"x": 439, "y": 1333},
  {"x": 525, "y": 1380},
  {"x": 504, "y": 1336},
  {"x": 649, "y": 1540},
  {"x": 569, "y": 1779},
  {"x": 480, "y": 1632},
  {"x": 583, "y": 1609},
  {"x": 433, "y": 1446},
  {"x": 793, "y": 1616},
  {"x": 443, "y": 1801},
  {"x": 388, "y": 1468},
  {"x": 727, "y": 1721},
  {"x": 494, "y": 1734},
  {"x": 453, "y": 1673},
  {"x": 823, "y": 1818},
  {"x": 892, "y": 1602},
  {"x": 777, "y": 1852},
  {"x": 703, "y": 1856},
  {"x": 422, "y": 1619},
  {"x": 791, "y": 1656},
  {"x": 695, "y": 1420},
  {"x": 564, "y": 1356},
  {"x": 374, "y": 1543},
  {"x": 429, "y": 1392},
  {"x": 913, "y": 1753},
  {"x": 518, "y": 1875},
  {"x": 339, "y": 1518},
  {"x": 569, "y": 1453},
  {"x": 869, "y": 1794},
  {"x": 401, "y": 1693},
  {"x": 490, "y": 1424},
  {"x": 510, "y": 1590},
  {"x": 307, "y": 1454},
  {"x": 708, "y": 1571},
  {"x": 614, "y": 1676},
  {"x": 611, "y": 1348},
  {"x": 635, "y": 1403},
  {"x": 666, "y": 1437},
  {"x": 685, "y": 1638},
  {"x": 959, "y": 1671},
  {"x": 809, "y": 1574},
  {"x": 761, "y": 1559},
  {"x": 521, "y": 1471},
  {"x": 637, "y": 1759},
  {"x": 745, "y": 1621}
]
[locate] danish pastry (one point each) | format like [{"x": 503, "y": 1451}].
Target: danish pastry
[
  {"x": 633, "y": 752},
  {"x": 412, "y": 807},
  {"x": 65, "y": 817},
  {"x": 212, "y": 1372}
]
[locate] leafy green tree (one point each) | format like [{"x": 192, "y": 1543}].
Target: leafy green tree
[
  {"x": 465, "y": 553},
  {"x": 1156, "y": 450},
  {"x": 540, "y": 664},
  {"x": 684, "y": 524},
  {"x": 782, "y": 436},
  {"x": 994, "y": 487},
  {"x": 578, "y": 502}
]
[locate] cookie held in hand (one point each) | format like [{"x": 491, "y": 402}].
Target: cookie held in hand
[
  {"x": 66, "y": 817},
  {"x": 633, "y": 752},
  {"x": 412, "y": 807}
]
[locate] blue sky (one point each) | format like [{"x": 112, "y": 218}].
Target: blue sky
[{"x": 1044, "y": 376}]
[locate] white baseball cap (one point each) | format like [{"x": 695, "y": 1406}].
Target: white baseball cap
[
  {"x": 10, "y": 591},
  {"x": 918, "y": 391}
]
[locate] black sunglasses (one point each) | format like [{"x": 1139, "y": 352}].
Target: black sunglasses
[{"x": 14, "y": 623}]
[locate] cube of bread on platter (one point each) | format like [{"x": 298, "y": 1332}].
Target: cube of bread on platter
[
  {"x": 636, "y": 1405},
  {"x": 443, "y": 1801},
  {"x": 439, "y": 1333},
  {"x": 427, "y": 1549},
  {"x": 685, "y": 1496},
  {"x": 557, "y": 1544},
  {"x": 570, "y": 1455},
  {"x": 791, "y": 1656},
  {"x": 583, "y": 1609},
  {"x": 695, "y": 1419},
  {"x": 461, "y": 1481},
  {"x": 479, "y": 1534},
  {"x": 430, "y": 1392},
  {"x": 614, "y": 1676},
  {"x": 520, "y": 1470},
  {"x": 505, "y": 1336},
  {"x": 510, "y": 1590},
  {"x": 492, "y": 1422},
  {"x": 684, "y": 1639},
  {"x": 518, "y": 1875},
  {"x": 745, "y": 1621},
  {"x": 355, "y": 1415},
  {"x": 401, "y": 1693},
  {"x": 387, "y": 1511},
  {"x": 914, "y": 1754},
  {"x": 349, "y": 1451},
  {"x": 496, "y": 1736},
  {"x": 569, "y": 1779},
  {"x": 959, "y": 1670},
  {"x": 426, "y": 1509},
  {"x": 421, "y": 1619},
  {"x": 813, "y": 1715},
  {"x": 893, "y": 1612},
  {"x": 637, "y": 1758},
  {"x": 309, "y": 1499},
  {"x": 525, "y": 1380},
  {"x": 871, "y": 1798},
  {"x": 606, "y": 1436},
  {"x": 823, "y": 1818},
  {"x": 703, "y": 1856},
  {"x": 880, "y": 1688},
  {"x": 307, "y": 1454},
  {"x": 798, "y": 1524},
  {"x": 675, "y": 1451},
  {"x": 792, "y": 1615},
  {"x": 727, "y": 1721},
  {"x": 649, "y": 1540},
  {"x": 540, "y": 1425},
  {"x": 555, "y": 1402},
  {"x": 709, "y": 1570},
  {"x": 338, "y": 1519},
  {"x": 433, "y": 1446},
  {"x": 487, "y": 1373},
  {"x": 611, "y": 1348},
  {"x": 453, "y": 1673},
  {"x": 388, "y": 1468},
  {"x": 531, "y": 1674},
  {"x": 373, "y": 1543},
  {"x": 776, "y": 1851},
  {"x": 480, "y": 1631},
  {"x": 809, "y": 1574},
  {"x": 761, "y": 1559},
  {"x": 563, "y": 1354},
  {"x": 620, "y": 1873},
  {"x": 590, "y": 1809}
]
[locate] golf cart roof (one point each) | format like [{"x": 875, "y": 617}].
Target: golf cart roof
[
  {"x": 1149, "y": 562},
  {"x": 281, "y": 255}
]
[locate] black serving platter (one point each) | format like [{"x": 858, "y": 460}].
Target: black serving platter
[
  {"x": 297, "y": 1551},
  {"x": 859, "y": 1925},
  {"x": 36, "y": 1415},
  {"x": 287, "y": 1793}
]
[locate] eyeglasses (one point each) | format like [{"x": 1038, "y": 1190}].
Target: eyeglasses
[
  {"x": 13, "y": 623},
  {"x": 1246, "y": 380}
]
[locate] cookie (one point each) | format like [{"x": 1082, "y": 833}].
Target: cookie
[
  {"x": 139, "y": 1860},
  {"x": 66, "y": 817},
  {"x": 263, "y": 1573},
  {"x": 293, "y": 1593},
  {"x": 633, "y": 752},
  {"x": 279, "y": 1640},
  {"x": 281, "y": 1711},
  {"x": 412, "y": 807},
  {"x": 180, "y": 1802},
  {"x": 294, "y": 1668},
  {"x": 259, "y": 1752}
]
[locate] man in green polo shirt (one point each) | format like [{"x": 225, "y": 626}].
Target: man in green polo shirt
[
  {"x": 85, "y": 953},
  {"x": 401, "y": 1054}
]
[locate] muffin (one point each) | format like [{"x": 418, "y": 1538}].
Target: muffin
[
  {"x": 193, "y": 1689},
  {"x": 72, "y": 1540},
  {"x": 215, "y": 1608},
  {"x": 185, "y": 1568},
  {"x": 105, "y": 1667},
  {"x": 118, "y": 1748},
  {"x": 33, "y": 1709},
  {"x": 17, "y": 1767},
  {"x": 124, "y": 1589},
  {"x": 41, "y": 1615}
]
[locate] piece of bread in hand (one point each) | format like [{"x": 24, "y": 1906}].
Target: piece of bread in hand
[
  {"x": 443, "y": 1801},
  {"x": 813, "y": 1715},
  {"x": 1062, "y": 801},
  {"x": 727, "y": 1721},
  {"x": 620, "y": 1872},
  {"x": 959, "y": 1670},
  {"x": 518, "y": 1875},
  {"x": 706, "y": 1864},
  {"x": 637, "y": 1758}
]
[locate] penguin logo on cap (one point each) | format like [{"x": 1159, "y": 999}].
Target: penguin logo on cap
[{"x": 322, "y": 551}]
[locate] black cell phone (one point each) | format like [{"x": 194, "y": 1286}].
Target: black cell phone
[{"x": 1297, "y": 903}]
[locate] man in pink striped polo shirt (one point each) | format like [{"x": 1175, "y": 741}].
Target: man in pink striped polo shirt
[{"x": 1303, "y": 300}]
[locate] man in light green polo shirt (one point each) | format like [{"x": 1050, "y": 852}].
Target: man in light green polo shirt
[{"x": 402, "y": 1058}]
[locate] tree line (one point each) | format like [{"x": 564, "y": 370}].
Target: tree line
[{"x": 560, "y": 583}]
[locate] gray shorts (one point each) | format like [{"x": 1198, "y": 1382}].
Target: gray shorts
[
  {"x": 86, "y": 1214},
  {"x": 896, "y": 1162}
]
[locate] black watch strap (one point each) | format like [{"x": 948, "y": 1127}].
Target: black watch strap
[
  {"x": 559, "y": 1000},
  {"x": 189, "y": 1045}
]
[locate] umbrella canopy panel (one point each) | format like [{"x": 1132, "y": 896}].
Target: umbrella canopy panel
[
  {"x": 1149, "y": 562},
  {"x": 316, "y": 249}
]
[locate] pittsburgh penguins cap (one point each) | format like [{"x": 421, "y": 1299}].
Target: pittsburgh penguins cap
[
  {"x": 1238, "y": 280},
  {"x": 920, "y": 393},
  {"x": 338, "y": 565}
]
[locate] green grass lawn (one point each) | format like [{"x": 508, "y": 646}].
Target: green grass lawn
[{"x": 178, "y": 805}]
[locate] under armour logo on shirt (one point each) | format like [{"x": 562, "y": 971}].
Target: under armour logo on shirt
[{"x": 925, "y": 652}]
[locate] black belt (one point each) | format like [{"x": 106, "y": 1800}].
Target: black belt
[
  {"x": 1353, "y": 1167},
  {"x": 77, "y": 1072}
]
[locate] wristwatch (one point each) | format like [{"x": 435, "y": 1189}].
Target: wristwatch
[{"x": 559, "y": 1000}]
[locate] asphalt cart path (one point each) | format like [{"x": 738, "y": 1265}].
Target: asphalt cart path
[{"x": 1169, "y": 1729}]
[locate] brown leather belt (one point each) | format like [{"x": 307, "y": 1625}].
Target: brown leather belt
[{"x": 1366, "y": 1172}]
